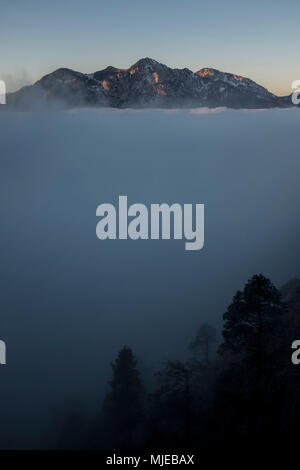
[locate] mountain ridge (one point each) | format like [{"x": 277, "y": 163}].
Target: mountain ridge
[{"x": 146, "y": 84}]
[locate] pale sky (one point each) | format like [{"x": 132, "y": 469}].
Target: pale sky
[{"x": 258, "y": 39}]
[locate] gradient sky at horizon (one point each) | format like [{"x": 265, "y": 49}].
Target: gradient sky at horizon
[{"x": 258, "y": 39}]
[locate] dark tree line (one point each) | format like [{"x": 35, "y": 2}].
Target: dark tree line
[{"x": 244, "y": 390}]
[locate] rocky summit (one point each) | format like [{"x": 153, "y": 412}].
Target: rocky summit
[{"x": 146, "y": 84}]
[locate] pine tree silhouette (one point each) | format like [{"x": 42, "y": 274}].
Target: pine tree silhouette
[{"x": 121, "y": 419}]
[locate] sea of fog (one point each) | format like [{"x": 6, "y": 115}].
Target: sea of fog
[{"x": 69, "y": 301}]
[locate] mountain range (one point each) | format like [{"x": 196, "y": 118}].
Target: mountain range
[{"x": 147, "y": 83}]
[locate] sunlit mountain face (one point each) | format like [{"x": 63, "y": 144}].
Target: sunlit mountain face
[{"x": 147, "y": 83}]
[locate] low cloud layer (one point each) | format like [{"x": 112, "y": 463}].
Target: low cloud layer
[{"x": 69, "y": 301}]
